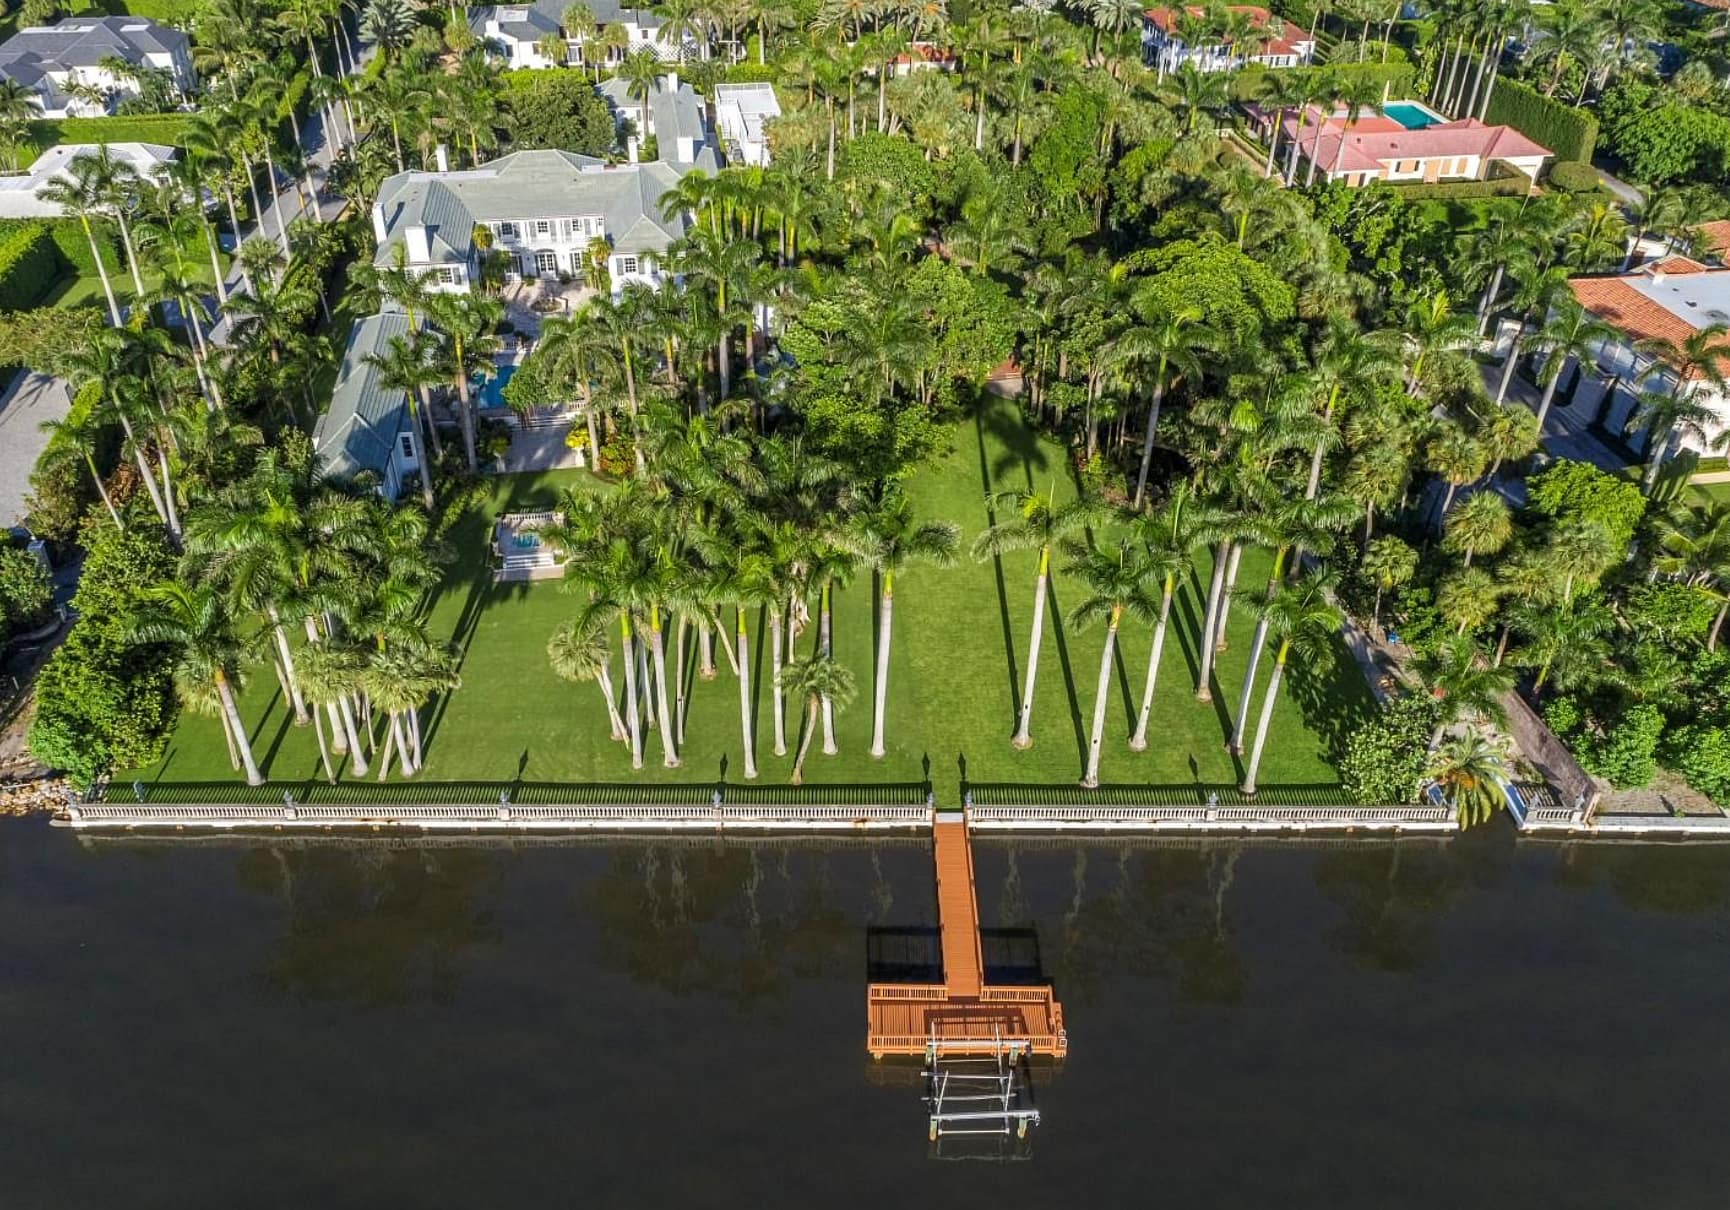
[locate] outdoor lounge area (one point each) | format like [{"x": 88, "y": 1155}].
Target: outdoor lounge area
[{"x": 519, "y": 551}]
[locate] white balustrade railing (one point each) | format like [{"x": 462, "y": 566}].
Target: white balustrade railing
[
  {"x": 491, "y": 815},
  {"x": 1223, "y": 817}
]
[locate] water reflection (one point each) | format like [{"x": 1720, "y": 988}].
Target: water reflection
[
  {"x": 1674, "y": 879},
  {"x": 371, "y": 925}
]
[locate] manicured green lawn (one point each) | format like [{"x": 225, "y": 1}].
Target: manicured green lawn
[{"x": 960, "y": 647}]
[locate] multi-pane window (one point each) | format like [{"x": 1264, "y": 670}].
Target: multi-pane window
[
  {"x": 407, "y": 447},
  {"x": 543, "y": 226},
  {"x": 507, "y": 230},
  {"x": 447, "y": 277},
  {"x": 627, "y": 264},
  {"x": 547, "y": 262}
]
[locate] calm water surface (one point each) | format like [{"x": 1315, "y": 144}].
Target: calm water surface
[{"x": 279, "y": 1024}]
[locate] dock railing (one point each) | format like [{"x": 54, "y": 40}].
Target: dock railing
[{"x": 1192, "y": 808}]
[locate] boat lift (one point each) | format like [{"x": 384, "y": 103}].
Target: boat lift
[{"x": 975, "y": 1095}]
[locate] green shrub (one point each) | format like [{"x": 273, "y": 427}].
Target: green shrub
[
  {"x": 1562, "y": 715},
  {"x": 1626, "y": 754},
  {"x": 102, "y": 702},
  {"x": 1571, "y": 176},
  {"x": 26, "y": 596},
  {"x": 169, "y": 129},
  {"x": 71, "y": 243},
  {"x": 30, "y": 265},
  {"x": 1385, "y": 757},
  {"x": 1517, "y": 185},
  {"x": 1569, "y": 133},
  {"x": 1568, "y": 491},
  {"x": 1702, "y": 755}
]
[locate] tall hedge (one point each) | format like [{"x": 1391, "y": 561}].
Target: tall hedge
[
  {"x": 1570, "y": 133},
  {"x": 1396, "y": 77},
  {"x": 70, "y": 243},
  {"x": 29, "y": 266}
]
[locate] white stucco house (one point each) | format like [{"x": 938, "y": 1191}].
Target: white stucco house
[
  {"x": 742, "y": 116},
  {"x": 1658, "y": 305},
  {"x": 517, "y": 33},
  {"x": 1166, "y": 40},
  {"x": 62, "y": 63},
  {"x": 677, "y": 118},
  {"x": 20, "y": 194},
  {"x": 542, "y": 209}
]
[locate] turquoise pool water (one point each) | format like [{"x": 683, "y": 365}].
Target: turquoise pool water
[
  {"x": 528, "y": 541},
  {"x": 490, "y": 392},
  {"x": 1411, "y": 115}
]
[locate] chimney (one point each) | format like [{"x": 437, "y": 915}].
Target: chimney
[
  {"x": 672, "y": 81},
  {"x": 418, "y": 245},
  {"x": 378, "y": 227},
  {"x": 631, "y": 148},
  {"x": 442, "y": 156}
]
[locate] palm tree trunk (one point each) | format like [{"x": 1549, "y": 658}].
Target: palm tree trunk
[
  {"x": 1513, "y": 360},
  {"x": 287, "y": 657},
  {"x": 1255, "y": 649},
  {"x": 323, "y": 748},
  {"x": 775, "y": 682},
  {"x": 150, "y": 484},
  {"x": 102, "y": 490},
  {"x": 1248, "y": 786},
  {"x": 658, "y": 651},
  {"x": 749, "y": 749},
  {"x": 131, "y": 254},
  {"x": 389, "y": 748},
  {"x": 604, "y": 681},
  {"x": 1147, "y": 442},
  {"x": 1097, "y": 736},
  {"x": 1024, "y": 722},
  {"x": 228, "y": 738},
  {"x": 467, "y": 413},
  {"x": 1549, "y": 395},
  {"x": 1230, "y": 587},
  {"x": 680, "y": 633},
  {"x": 885, "y": 622},
  {"x": 1138, "y": 741},
  {"x": 798, "y": 777},
  {"x": 826, "y": 648},
  {"x": 102, "y": 271},
  {"x": 232, "y": 712},
  {"x": 356, "y": 751},
  {"x": 1488, "y": 301},
  {"x": 1203, "y": 689},
  {"x": 632, "y": 715},
  {"x": 168, "y": 501}
]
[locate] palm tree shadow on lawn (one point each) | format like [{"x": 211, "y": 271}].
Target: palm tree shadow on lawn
[
  {"x": 1022, "y": 449},
  {"x": 1062, "y": 638},
  {"x": 986, "y": 482}
]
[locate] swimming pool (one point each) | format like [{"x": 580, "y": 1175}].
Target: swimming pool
[
  {"x": 1412, "y": 115},
  {"x": 490, "y": 392},
  {"x": 528, "y": 541}
]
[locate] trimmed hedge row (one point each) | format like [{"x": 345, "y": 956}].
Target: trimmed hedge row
[
  {"x": 1571, "y": 176},
  {"x": 1517, "y": 185},
  {"x": 69, "y": 240},
  {"x": 1572, "y": 134},
  {"x": 1397, "y": 78},
  {"x": 29, "y": 266},
  {"x": 168, "y": 129}
]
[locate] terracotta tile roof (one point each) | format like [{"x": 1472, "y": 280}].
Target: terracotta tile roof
[
  {"x": 1286, "y": 43},
  {"x": 1373, "y": 141},
  {"x": 1675, "y": 264},
  {"x": 1624, "y": 308},
  {"x": 1714, "y": 236}
]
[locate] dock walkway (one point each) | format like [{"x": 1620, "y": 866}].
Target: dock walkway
[{"x": 963, "y": 1015}]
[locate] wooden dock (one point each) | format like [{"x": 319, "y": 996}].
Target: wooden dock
[{"x": 962, "y": 1015}]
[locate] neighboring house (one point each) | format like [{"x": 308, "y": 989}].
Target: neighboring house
[
  {"x": 676, "y": 119},
  {"x": 742, "y": 115},
  {"x": 1274, "y": 43},
  {"x": 368, "y": 431},
  {"x": 543, "y": 209},
  {"x": 67, "y": 65},
  {"x": 18, "y": 194},
  {"x": 1668, "y": 301},
  {"x": 1378, "y": 148},
  {"x": 518, "y": 33},
  {"x": 920, "y": 56}
]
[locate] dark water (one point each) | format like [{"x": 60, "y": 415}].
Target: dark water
[{"x": 268, "y": 1024}]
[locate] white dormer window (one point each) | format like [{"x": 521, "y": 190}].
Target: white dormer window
[
  {"x": 543, "y": 226},
  {"x": 506, "y": 230}
]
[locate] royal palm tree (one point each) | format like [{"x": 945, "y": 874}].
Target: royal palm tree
[
  {"x": 641, "y": 72},
  {"x": 889, "y": 537},
  {"x": 816, "y": 681},
  {"x": 1171, "y": 340},
  {"x": 407, "y": 365},
  {"x": 1035, "y": 522},
  {"x": 79, "y": 434},
  {"x": 1116, "y": 578},
  {"x": 468, "y": 322},
  {"x": 1702, "y": 358},
  {"x": 82, "y": 192},
  {"x": 1304, "y": 620},
  {"x": 1569, "y": 331},
  {"x": 580, "y": 651},
  {"x": 194, "y": 623},
  {"x": 1170, "y": 536},
  {"x": 1695, "y": 545}
]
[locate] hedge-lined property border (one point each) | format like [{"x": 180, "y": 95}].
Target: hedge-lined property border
[
  {"x": 1571, "y": 134},
  {"x": 30, "y": 265}
]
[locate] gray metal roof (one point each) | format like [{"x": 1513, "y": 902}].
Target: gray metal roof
[
  {"x": 85, "y": 42},
  {"x": 527, "y": 185},
  {"x": 675, "y": 112},
  {"x": 549, "y": 15},
  {"x": 358, "y": 431}
]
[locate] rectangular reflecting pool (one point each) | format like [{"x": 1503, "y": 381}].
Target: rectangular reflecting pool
[{"x": 1413, "y": 115}]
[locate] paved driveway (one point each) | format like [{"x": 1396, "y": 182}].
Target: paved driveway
[{"x": 31, "y": 399}]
